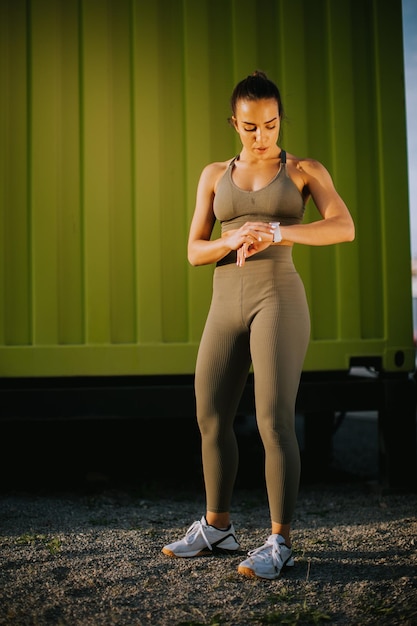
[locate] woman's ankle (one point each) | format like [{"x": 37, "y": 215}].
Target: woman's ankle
[{"x": 221, "y": 521}]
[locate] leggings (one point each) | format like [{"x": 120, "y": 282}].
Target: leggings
[{"x": 258, "y": 315}]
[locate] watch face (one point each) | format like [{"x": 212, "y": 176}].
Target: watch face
[{"x": 277, "y": 233}]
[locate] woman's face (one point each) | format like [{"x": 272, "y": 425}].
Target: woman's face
[{"x": 258, "y": 124}]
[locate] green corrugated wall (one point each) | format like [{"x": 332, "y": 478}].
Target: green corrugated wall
[{"x": 109, "y": 110}]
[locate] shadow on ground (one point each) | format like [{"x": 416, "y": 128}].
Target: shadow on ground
[{"x": 101, "y": 453}]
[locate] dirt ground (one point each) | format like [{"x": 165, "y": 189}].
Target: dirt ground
[{"x": 92, "y": 555}]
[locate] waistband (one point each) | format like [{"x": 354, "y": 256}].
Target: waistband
[{"x": 272, "y": 253}]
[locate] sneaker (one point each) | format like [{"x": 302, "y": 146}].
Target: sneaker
[
  {"x": 201, "y": 538},
  {"x": 269, "y": 560}
]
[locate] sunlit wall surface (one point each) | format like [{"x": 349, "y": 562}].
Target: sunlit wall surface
[{"x": 108, "y": 112}]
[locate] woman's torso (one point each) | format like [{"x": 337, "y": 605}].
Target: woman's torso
[{"x": 279, "y": 200}]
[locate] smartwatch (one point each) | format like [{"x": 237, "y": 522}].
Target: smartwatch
[{"x": 277, "y": 232}]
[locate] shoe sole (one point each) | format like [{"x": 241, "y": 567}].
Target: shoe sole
[
  {"x": 250, "y": 573},
  {"x": 205, "y": 552}
]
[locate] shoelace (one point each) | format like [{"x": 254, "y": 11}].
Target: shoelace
[
  {"x": 277, "y": 559},
  {"x": 269, "y": 551},
  {"x": 196, "y": 528},
  {"x": 265, "y": 548}
]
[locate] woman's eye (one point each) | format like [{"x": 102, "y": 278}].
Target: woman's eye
[{"x": 253, "y": 129}]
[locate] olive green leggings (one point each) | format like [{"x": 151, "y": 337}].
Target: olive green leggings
[{"x": 259, "y": 315}]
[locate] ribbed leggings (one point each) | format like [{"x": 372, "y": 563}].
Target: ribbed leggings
[{"x": 259, "y": 315}]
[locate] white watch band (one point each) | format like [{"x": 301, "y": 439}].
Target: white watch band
[{"x": 277, "y": 232}]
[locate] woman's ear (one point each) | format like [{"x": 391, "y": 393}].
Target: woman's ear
[{"x": 233, "y": 122}]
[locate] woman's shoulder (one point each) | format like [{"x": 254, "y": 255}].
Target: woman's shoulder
[
  {"x": 217, "y": 166},
  {"x": 306, "y": 173},
  {"x": 214, "y": 171},
  {"x": 305, "y": 166}
]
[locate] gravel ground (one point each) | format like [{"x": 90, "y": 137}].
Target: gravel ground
[{"x": 93, "y": 556}]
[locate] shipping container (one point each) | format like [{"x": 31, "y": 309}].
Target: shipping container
[{"x": 109, "y": 112}]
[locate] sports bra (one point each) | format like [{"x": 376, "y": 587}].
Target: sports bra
[{"x": 279, "y": 201}]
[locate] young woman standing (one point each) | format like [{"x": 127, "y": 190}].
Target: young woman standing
[{"x": 258, "y": 315}]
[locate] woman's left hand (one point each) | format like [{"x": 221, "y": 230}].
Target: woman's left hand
[{"x": 250, "y": 248}]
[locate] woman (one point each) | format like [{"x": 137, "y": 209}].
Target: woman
[{"x": 258, "y": 315}]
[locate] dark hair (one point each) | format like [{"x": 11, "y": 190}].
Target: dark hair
[{"x": 257, "y": 86}]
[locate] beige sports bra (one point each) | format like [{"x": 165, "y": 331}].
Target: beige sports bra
[{"x": 279, "y": 201}]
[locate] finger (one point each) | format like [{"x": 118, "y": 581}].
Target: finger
[{"x": 240, "y": 258}]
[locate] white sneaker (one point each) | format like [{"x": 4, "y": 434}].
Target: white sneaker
[
  {"x": 201, "y": 538},
  {"x": 268, "y": 560}
]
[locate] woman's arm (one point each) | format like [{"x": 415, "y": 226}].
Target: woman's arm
[{"x": 337, "y": 224}]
